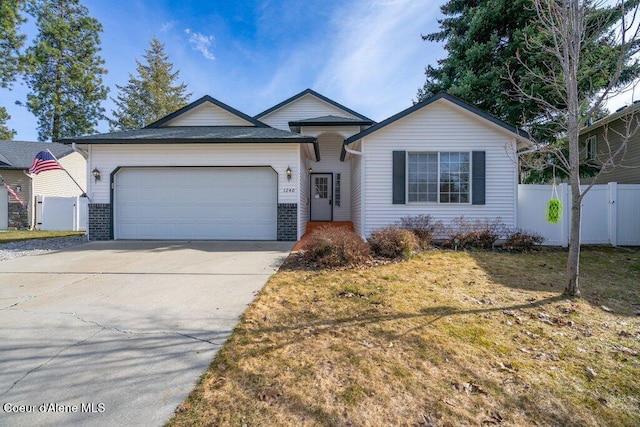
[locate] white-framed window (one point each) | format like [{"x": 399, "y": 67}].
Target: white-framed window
[
  {"x": 592, "y": 147},
  {"x": 443, "y": 177}
]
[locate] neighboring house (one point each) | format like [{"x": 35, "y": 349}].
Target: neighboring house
[
  {"x": 606, "y": 136},
  {"x": 209, "y": 171},
  {"x": 15, "y": 159}
]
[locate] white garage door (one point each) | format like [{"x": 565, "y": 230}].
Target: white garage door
[{"x": 196, "y": 203}]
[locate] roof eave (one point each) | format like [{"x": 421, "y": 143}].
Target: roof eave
[
  {"x": 193, "y": 141},
  {"x": 306, "y": 123},
  {"x": 630, "y": 111}
]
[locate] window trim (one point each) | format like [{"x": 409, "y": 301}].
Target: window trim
[
  {"x": 470, "y": 198},
  {"x": 592, "y": 148}
]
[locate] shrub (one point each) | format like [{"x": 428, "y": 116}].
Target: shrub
[
  {"x": 522, "y": 241},
  {"x": 478, "y": 234},
  {"x": 393, "y": 242},
  {"x": 424, "y": 227},
  {"x": 335, "y": 247}
]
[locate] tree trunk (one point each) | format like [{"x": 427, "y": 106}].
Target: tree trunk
[
  {"x": 571, "y": 35},
  {"x": 572, "y": 286}
]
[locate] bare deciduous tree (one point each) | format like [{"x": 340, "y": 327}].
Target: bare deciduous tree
[{"x": 566, "y": 27}]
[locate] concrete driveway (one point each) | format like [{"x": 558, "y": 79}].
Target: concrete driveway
[{"x": 118, "y": 333}]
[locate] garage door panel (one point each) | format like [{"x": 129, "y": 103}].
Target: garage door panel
[{"x": 196, "y": 203}]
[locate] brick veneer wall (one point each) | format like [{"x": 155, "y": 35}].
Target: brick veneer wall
[
  {"x": 18, "y": 216},
  {"x": 99, "y": 221},
  {"x": 288, "y": 222}
]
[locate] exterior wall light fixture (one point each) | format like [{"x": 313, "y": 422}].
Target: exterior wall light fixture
[
  {"x": 96, "y": 174},
  {"x": 288, "y": 173}
]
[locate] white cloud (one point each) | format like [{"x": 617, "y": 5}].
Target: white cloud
[
  {"x": 167, "y": 26},
  {"x": 201, "y": 43},
  {"x": 376, "y": 60}
]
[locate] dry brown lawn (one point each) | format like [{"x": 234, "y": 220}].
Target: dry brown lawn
[
  {"x": 19, "y": 235},
  {"x": 444, "y": 339}
]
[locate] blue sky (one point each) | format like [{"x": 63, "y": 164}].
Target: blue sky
[{"x": 365, "y": 54}]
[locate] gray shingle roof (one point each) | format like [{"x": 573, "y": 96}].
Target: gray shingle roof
[
  {"x": 193, "y": 134},
  {"x": 627, "y": 112},
  {"x": 20, "y": 154},
  {"x": 198, "y": 135},
  {"x": 331, "y": 120}
]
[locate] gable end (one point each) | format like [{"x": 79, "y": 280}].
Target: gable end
[{"x": 165, "y": 120}]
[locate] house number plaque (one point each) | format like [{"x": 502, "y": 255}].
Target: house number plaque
[{"x": 289, "y": 190}]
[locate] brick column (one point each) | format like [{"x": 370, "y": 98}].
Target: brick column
[
  {"x": 99, "y": 221},
  {"x": 18, "y": 216},
  {"x": 288, "y": 222}
]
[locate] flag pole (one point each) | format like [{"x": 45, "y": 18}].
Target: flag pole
[{"x": 67, "y": 172}]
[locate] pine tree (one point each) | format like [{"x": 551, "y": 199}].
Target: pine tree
[
  {"x": 151, "y": 94},
  {"x": 10, "y": 40},
  {"x": 5, "y": 132},
  {"x": 10, "y": 43},
  {"x": 64, "y": 70},
  {"x": 488, "y": 43}
]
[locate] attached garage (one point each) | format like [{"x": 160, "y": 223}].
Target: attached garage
[
  {"x": 189, "y": 203},
  {"x": 206, "y": 171}
]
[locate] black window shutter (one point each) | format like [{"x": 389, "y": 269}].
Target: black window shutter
[
  {"x": 478, "y": 178},
  {"x": 399, "y": 166}
]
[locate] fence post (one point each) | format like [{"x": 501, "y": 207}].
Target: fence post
[
  {"x": 613, "y": 213},
  {"x": 566, "y": 213}
]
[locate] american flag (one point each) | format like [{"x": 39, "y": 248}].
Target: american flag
[
  {"x": 13, "y": 193},
  {"x": 44, "y": 161}
]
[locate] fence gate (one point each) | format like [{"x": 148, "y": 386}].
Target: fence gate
[
  {"x": 61, "y": 213},
  {"x": 610, "y": 214}
]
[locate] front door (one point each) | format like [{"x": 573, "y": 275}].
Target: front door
[{"x": 321, "y": 197}]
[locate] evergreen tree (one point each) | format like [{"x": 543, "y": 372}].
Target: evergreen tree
[
  {"x": 10, "y": 43},
  {"x": 64, "y": 70},
  {"x": 10, "y": 40},
  {"x": 5, "y": 132},
  {"x": 490, "y": 58},
  {"x": 151, "y": 94}
]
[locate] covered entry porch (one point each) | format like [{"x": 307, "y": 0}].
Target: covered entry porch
[{"x": 315, "y": 225}]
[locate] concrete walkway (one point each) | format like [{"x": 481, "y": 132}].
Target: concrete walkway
[{"x": 118, "y": 333}]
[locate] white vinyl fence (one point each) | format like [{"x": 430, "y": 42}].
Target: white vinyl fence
[
  {"x": 610, "y": 214},
  {"x": 61, "y": 213},
  {"x": 4, "y": 209}
]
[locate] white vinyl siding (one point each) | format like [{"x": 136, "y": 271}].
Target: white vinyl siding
[
  {"x": 208, "y": 114},
  {"x": 303, "y": 207},
  {"x": 437, "y": 127},
  {"x": 305, "y": 107},
  {"x": 356, "y": 192},
  {"x": 58, "y": 183},
  {"x": 278, "y": 156}
]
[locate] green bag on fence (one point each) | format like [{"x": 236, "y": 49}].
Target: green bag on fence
[
  {"x": 554, "y": 211},
  {"x": 554, "y": 206}
]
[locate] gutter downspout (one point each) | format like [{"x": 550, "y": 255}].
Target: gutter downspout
[
  {"x": 350, "y": 151},
  {"x": 78, "y": 150}
]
